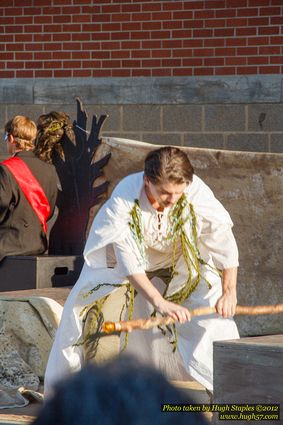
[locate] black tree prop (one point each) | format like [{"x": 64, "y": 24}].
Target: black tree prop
[{"x": 77, "y": 174}]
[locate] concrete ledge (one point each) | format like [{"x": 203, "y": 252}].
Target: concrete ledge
[
  {"x": 57, "y": 294},
  {"x": 248, "y": 371},
  {"x": 144, "y": 90}
]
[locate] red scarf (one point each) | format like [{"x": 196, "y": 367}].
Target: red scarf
[{"x": 30, "y": 187}]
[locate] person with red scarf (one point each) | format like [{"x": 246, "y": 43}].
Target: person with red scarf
[{"x": 28, "y": 192}]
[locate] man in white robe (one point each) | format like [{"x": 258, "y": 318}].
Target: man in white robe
[{"x": 139, "y": 224}]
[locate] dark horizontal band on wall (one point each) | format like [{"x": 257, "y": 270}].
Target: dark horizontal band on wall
[{"x": 144, "y": 90}]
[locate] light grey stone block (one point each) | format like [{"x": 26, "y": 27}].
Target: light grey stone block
[
  {"x": 16, "y": 91},
  {"x": 162, "y": 138},
  {"x": 276, "y": 143},
  {"x": 124, "y": 135},
  {"x": 114, "y": 112},
  {"x": 31, "y": 111},
  {"x": 141, "y": 118},
  {"x": 62, "y": 91},
  {"x": 181, "y": 118},
  {"x": 224, "y": 118},
  {"x": 265, "y": 117},
  {"x": 200, "y": 140},
  {"x": 95, "y": 90},
  {"x": 70, "y": 110},
  {"x": 247, "y": 142},
  {"x": 143, "y": 90}
]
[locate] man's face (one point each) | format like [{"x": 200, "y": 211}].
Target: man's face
[{"x": 164, "y": 195}]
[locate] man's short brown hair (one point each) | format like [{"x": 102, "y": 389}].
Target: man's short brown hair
[{"x": 168, "y": 164}]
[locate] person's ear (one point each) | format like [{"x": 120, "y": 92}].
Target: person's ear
[
  {"x": 11, "y": 139},
  {"x": 146, "y": 180},
  {"x": 11, "y": 144}
]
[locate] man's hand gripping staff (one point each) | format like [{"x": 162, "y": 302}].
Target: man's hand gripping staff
[{"x": 128, "y": 326}]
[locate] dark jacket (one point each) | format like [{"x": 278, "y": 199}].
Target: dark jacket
[{"x": 21, "y": 232}]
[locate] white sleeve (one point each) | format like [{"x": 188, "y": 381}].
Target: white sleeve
[
  {"x": 218, "y": 240},
  {"x": 126, "y": 259}
]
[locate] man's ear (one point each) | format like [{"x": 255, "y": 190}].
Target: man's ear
[{"x": 146, "y": 180}]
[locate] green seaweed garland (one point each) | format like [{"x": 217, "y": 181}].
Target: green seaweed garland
[
  {"x": 96, "y": 307},
  {"x": 180, "y": 213},
  {"x": 136, "y": 226}
]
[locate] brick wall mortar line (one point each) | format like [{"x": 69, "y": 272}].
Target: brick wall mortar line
[
  {"x": 121, "y": 112},
  {"x": 202, "y": 118},
  {"x": 211, "y": 132},
  {"x": 246, "y": 118},
  {"x": 122, "y": 117},
  {"x": 161, "y": 117},
  {"x": 225, "y": 139},
  {"x": 269, "y": 142}
]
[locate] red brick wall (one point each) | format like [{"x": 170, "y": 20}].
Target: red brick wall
[{"x": 98, "y": 38}]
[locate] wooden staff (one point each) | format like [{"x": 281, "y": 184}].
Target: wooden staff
[{"x": 129, "y": 325}]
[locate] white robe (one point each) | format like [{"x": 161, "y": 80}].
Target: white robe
[{"x": 110, "y": 228}]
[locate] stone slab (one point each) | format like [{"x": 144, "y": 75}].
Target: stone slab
[
  {"x": 57, "y": 294},
  {"x": 16, "y": 91},
  {"x": 172, "y": 90},
  {"x": 248, "y": 371},
  {"x": 143, "y": 90}
]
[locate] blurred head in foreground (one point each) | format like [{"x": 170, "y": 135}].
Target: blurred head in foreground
[{"x": 121, "y": 391}]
